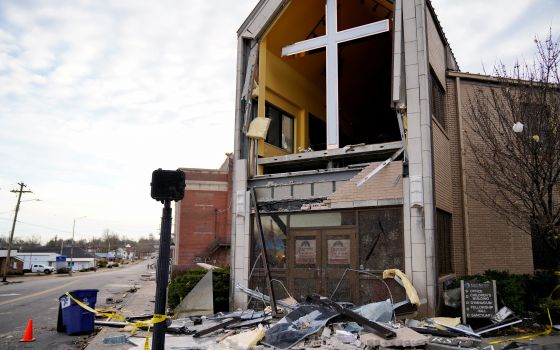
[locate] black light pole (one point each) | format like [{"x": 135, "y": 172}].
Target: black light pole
[{"x": 167, "y": 185}]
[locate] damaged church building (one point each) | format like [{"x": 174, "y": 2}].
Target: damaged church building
[{"x": 349, "y": 143}]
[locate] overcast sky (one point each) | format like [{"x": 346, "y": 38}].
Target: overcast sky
[{"x": 95, "y": 95}]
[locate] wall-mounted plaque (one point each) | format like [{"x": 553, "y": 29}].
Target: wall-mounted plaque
[
  {"x": 338, "y": 251},
  {"x": 306, "y": 251}
]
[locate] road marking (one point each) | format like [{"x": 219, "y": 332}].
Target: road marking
[
  {"x": 8, "y": 295},
  {"x": 37, "y": 294}
]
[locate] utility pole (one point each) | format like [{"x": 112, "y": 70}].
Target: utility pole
[
  {"x": 20, "y": 192},
  {"x": 72, "y": 246}
]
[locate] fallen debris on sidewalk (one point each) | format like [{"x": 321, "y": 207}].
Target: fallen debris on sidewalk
[{"x": 317, "y": 322}]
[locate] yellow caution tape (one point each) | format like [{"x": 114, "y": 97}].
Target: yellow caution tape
[
  {"x": 85, "y": 306},
  {"x": 147, "y": 341},
  {"x": 149, "y": 323},
  {"x": 543, "y": 333}
]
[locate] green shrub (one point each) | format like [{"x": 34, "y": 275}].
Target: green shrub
[
  {"x": 101, "y": 263},
  {"x": 524, "y": 294},
  {"x": 184, "y": 283},
  {"x": 62, "y": 270},
  {"x": 116, "y": 265}
]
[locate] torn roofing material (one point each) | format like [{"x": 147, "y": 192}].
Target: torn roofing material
[{"x": 297, "y": 325}]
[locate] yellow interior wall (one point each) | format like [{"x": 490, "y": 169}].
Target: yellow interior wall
[{"x": 282, "y": 86}]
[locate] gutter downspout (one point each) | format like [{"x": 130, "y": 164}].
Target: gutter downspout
[{"x": 463, "y": 179}]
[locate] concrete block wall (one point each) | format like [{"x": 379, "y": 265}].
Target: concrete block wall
[
  {"x": 419, "y": 245},
  {"x": 240, "y": 240}
]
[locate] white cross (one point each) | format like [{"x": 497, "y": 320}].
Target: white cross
[{"x": 330, "y": 40}]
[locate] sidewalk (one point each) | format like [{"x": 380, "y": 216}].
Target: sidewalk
[{"x": 141, "y": 302}]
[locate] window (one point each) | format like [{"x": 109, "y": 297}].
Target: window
[
  {"x": 281, "y": 129},
  {"x": 443, "y": 232},
  {"x": 438, "y": 100}
]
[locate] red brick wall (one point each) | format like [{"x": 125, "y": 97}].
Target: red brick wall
[{"x": 205, "y": 218}]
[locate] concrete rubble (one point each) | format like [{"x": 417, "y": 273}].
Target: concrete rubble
[{"x": 317, "y": 323}]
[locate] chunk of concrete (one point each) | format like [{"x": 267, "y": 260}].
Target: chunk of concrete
[{"x": 406, "y": 337}]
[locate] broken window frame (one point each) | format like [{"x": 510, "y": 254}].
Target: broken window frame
[
  {"x": 278, "y": 125},
  {"x": 437, "y": 105},
  {"x": 444, "y": 243}
]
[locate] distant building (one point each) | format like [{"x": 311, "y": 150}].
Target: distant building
[
  {"x": 203, "y": 218},
  {"x": 15, "y": 266},
  {"x": 81, "y": 258}
]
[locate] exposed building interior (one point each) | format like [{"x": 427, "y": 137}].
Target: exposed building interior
[{"x": 291, "y": 90}]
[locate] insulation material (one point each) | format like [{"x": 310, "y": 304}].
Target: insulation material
[
  {"x": 410, "y": 290},
  {"x": 258, "y": 128},
  {"x": 245, "y": 340}
]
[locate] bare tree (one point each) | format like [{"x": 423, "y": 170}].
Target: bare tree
[{"x": 515, "y": 142}]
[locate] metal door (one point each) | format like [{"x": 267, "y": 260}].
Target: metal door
[{"x": 317, "y": 259}]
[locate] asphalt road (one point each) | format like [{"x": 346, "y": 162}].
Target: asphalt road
[{"x": 36, "y": 298}]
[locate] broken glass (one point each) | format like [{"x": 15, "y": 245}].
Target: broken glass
[{"x": 297, "y": 325}]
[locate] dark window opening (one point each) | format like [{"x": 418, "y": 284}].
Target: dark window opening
[
  {"x": 364, "y": 91},
  {"x": 317, "y": 133},
  {"x": 438, "y": 100},
  {"x": 444, "y": 244},
  {"x": 281, "y": 129}
]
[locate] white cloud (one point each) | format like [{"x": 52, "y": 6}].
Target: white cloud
[
  {"x": 482, "y": 33},
  {"x": 95, "y": 95}
]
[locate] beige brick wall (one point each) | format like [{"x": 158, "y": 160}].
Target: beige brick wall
[
  {"x": 386, "y": 184},
  {"x": 457, "y": 237},
  {"x": 436, "y": 50},
  {"x": 493, "y": 243},
  {"x": 442, "y": 169}
]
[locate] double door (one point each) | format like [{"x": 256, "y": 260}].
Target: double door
[{"x": 317, "y": 259}]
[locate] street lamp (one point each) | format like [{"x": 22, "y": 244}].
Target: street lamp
[{"x": 72, "y": 247}]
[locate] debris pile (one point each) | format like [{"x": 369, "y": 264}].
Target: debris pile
[{"x": 319, "y": 322}]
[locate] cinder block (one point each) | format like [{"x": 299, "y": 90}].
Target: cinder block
[
  {"x": 282, "y": 192},
  {"x": 409, "y": 29},
  {"x": 410, "y": 53},
  {"x": 302, "y": 190},
  {"x": 322, "y": 189},
  {"x": 418, "y": 257},
  {"x": 419, "y": 282},
  {"x": 263, "y": 193}
]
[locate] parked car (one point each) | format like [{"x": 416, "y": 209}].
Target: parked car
[{"x": 40, "y": 268}]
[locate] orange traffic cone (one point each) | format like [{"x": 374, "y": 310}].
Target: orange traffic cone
[{"x": 28, "y": 335}]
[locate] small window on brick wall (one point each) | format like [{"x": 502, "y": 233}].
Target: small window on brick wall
[
  {"x": 444, "y": 244},
  {"x": 438, "y": 100}
]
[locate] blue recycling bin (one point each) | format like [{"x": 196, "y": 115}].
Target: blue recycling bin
[{"x": 74, "y": 319}]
